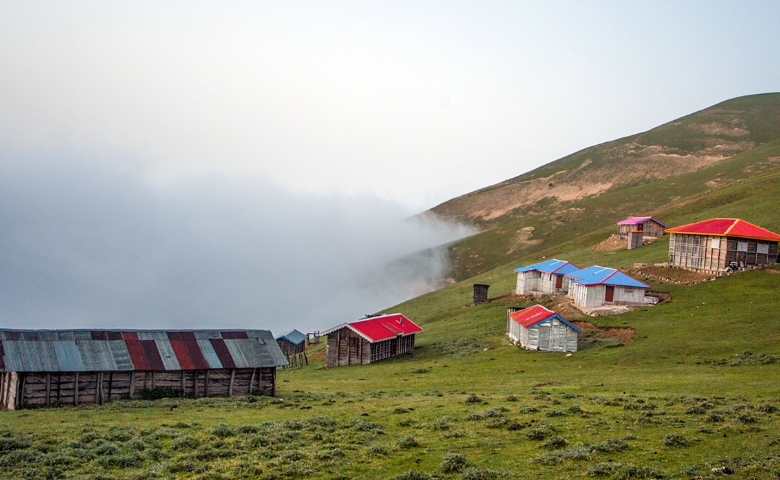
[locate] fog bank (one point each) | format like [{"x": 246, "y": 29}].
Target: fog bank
[{"x": 85, "y": 245}]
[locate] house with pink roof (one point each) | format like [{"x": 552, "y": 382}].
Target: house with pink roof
[{"x": 639, "y": 230}]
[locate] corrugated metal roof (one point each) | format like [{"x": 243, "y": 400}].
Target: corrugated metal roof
[
  {"x": 112, "y": 350},
  {"x": 597, "y": 275},
  {"x": 293, "y": 336},
  {"x": 638, "y": 220},
  {"x": 554, "y": 265},
  {"x": 380, "y": 328},
  {"x": 731, "y": 227},
  {"x": 537, "y": 314}
]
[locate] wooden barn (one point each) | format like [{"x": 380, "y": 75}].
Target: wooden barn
[
  {"x": 74, "y": 367},
  {"x": 539, "y": 328},
  {"x": 292, "y": 342},
  {"x": 544, "y": 278},
  {"x": 595, "y": 286},
  {"x": 721, "y": 244},
  {"x": 370, "y": 340},
  {"x": 647, "y": 226}
]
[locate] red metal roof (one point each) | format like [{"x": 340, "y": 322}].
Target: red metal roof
[
  {"x": 376, "y": 329},
  {"x": 731, "y": 227},
  {"x": 530, "y": 316}
]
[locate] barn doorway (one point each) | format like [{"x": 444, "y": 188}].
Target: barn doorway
[
  {"x": 559, "y": 281},
  {"x": 609, "y": 295}
]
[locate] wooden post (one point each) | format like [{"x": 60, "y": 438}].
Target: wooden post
[
  {"x": 132, "y": 383},
  {"x": 48, "y": 389},
  {"x": 252, "y": 380},
  {"x": 232, "y": 379},
  {"x": 195, "y": 385},
  {"x": 182, "y": 384},
  {"x": 110, "y": 385},
  {"x": 3, "y": 383},
  {"x": 59, "y": 386},
  {"x": 76, "y": 390},
  {"x": 206, "y": 387},
  {"x": 97, "y": 388},
  {"x": 154, "y": 378}
]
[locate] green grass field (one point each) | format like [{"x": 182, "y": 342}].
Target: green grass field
[{"x": 697, "y": 388}]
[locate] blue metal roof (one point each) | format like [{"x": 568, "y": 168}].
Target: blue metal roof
[
  {"x": 554, "y": 265},
  {"x": 293, "y": 336},
  {"x": 597, "y": 275}
]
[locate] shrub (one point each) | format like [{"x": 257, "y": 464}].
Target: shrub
[
  {"x": 441, "y": 424},
  {"x": 473, "y": 398},
  {"x": 107, "y": 449},
  {"x": 715, "y": 417},
  {"x": 511, "y": 398},
  {"x": 401, "y": 410},
  {"x": 746, "y": 418},
  {"x": 555, "y": 413},
  {"x": 767, "y": 408},
  {"x": 528, "y": 409},
  {"x": 555, "y": 443},
  {"x": 575, "y": 409},
  {"x": 13, "y": 443},
  {"x": 221, "y": 430},
  {"x": 536, "y": 434},
  {"x": 611, "y": 445},
  {"x": 408, "y": 442},
  {"x": 331, "y": 454},
  {"x": 453, "y": 462},
  {"x": 187, "y": 442},
  {"x": 377, "y": 450},
  {"x": 121, "y": 461},
  {"x": 482, "y": 474},
  {"x": 675, "y": 440}
]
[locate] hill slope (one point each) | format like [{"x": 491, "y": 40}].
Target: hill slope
[{"x": 600, "y": 185}]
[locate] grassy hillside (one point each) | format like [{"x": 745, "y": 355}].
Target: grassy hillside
[
  {"x": 694, "y": 389},
  {"x": 601, "y": 185}
]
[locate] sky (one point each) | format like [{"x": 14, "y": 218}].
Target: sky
[{"x": 251, "y": 164}]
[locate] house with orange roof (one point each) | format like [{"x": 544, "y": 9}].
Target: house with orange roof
[
  {"x": 718, "y": 245},
  {"x": 370, "y": 340}
]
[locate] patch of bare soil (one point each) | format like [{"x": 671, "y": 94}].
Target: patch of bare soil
[
  {"x": 663, "y": 274},
  {"x": 614, "y": 242},
  {"x": 591, "y": 334}
]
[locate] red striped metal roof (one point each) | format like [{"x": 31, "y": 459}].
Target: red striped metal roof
[
  {"x": 110, "y": 350},
  {"x": 726, "y": 227}
]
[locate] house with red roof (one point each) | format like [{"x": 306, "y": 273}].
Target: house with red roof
[
  {"x": 539, "y": 328},
  {"x": 718, "y": 245},
  {"x": 370, "y": 340}
]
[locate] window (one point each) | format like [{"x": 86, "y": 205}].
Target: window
[
  {"x": 742, "y": 246},
  {"x": 716, "y": 243},
  {"x": 628, "y": 290},
  {"x": 762, "y": 248}
]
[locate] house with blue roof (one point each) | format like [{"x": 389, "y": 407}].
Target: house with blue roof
[
  {"x": 544, "y": 278},
  {"x": 292, "y": 342},
  {"x": 596, "y": 286}
]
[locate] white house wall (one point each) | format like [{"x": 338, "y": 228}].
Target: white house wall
[
  {"x": 629, "y": 295},
  {"x": 552, "y": 336},
  {"x": 544, "y": 283},
  {"x": 593, "y": 296}
]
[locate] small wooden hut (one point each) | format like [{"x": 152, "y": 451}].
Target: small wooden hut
[
  {"x": 544, "y": 278},
  {"x": 292, "y": 342},
  {"x": 73, "y": 367},
  {"x": 646, "y": 226},
  {"x": 370, "y": 340},
  {"x": 721, "y": 244},
  {"x": 539, "y": 328},
  {"x": 480, "y": 293},
  {"x": 595, "y": 286}
]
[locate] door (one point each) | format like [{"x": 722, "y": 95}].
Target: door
[
  {"x": 559, "y": 281},
  {"x": 544, "y": 337},
  {"x": 609, "y": 295}
]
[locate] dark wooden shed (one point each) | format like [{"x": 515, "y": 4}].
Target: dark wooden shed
[
  {"x": 480, "y": 293},
  {"x": 73, "y": 367},
  {"x": 370, "y": 340},
  {"x": 292, "y": 342}
]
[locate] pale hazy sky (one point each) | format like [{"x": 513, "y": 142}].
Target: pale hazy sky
[
  {"x": 184, "y": 164},
  {"x": 413, "y": 101}
]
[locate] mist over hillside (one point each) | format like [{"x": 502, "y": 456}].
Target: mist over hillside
[{"x": 88, "y": 245}]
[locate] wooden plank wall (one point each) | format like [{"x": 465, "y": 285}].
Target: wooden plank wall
[
  {"x": 76, "y": 388},
  {"x": 346, "y": 347}
]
